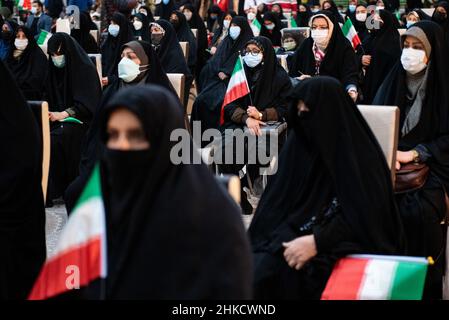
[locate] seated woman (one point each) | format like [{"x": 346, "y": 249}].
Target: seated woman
[
  {"x": 271, "y": 28},
  {"x": 72, "y": 90},
  {"x": 221, "y": 32},
  {"x": 415, "y": 16},
  {"x": 303, "y": 15},
  {"x": 172, "y": 231},
  {"x": 119, "y": 33},
  {"x": 266, "y": 101},
  {"x": 146, "y": 11},
  {"x": 359, "y": 21},
  {"x": 141, "y": 26},
  {"x": 184, "y": 34},
  {"x": 215, "y": 75},
  {"x": 28, "y": 64},
  {"x": 169, "y": 51},
  {"x": 417, "y": 84},
  {"x": 329, "y": 5},
  {"x": 83, "y": 36},
  {"x": 139, "y": 65},
  {"x": 214, "y": 16},
  {"x": 381, "y": 50},
  {"x": 22, "y": 223},
  {"x": 318, "y": 207},
  {"x": 277, "y": 9},
  {"x": 319, "y": 54}
]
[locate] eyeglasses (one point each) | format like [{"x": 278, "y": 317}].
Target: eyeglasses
[{"x": 252, "y": 52}]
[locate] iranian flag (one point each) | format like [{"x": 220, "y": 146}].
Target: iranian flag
[
  {"x": 24, "y": 4},
  {"x": 292, "y": 22},
  {"x": 237, "y": 86},
  {"x": 374, "y": 277},
  {"x": 43, "y": 38},
  {"x": 350, "y": 33},
  {"x": 223, "y": 4},
  {"x": 255, "y": 25},
  {"x": 80, "y": 255}
]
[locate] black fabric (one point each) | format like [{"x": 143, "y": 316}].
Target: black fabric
[
  {"x": 159, "y": 214},
  {"x": 22, "y": 214},
  {"x": 184, "y": 34},
  {"x": 154, "y": 75},
  {"x": 339, "y": 49},
  {"x": 111, "y": 48},
  {"x": 212, "y": 22},
  {"x": 334, "y": 10},
  {"x": 275, "y": 34},
  {"x": 163, "y": 11},
  {"x": 360, "y": 26},
  {"x": 149, "y": 15},
  {"x": 424, "y": 209},
  {"x": 344, "y": 161},
  {"x": 207, "y": 105},
  {"x": 83, "y": 36},
  {"x": 30, "y": 69},
  {"x": 279, "y": 14},
  {"x": 302, "y": 18},
  {"x": 144, "y": 32},
  {"x": 383, "y": 46},
  {"x": 443, "y": 22},
  {"x": 218, "y": 31}
]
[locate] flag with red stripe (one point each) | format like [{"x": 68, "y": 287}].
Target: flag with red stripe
[{"x": 351, "y": 34}]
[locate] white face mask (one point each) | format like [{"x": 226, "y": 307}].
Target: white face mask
[
  {"x": 226, "y": 24},
  {"x": 251, "y": 60},
  {"x": 188, "y": 15},
  {"x": 378, "y": 8},
  {"x": 251, "y": 16},
  {"x": 270, "y": 26},
  {"x": 234, "y": 32},
  {"x": 114, "y": 29},
  {"x": 289, "y": 46},
  {"x": 361, "y": 17},
  {"x": 320, "y": 36},
  {"x": 410, "y": 23},
  {"x": 413, "y": 60},
  {"x": 128, "y": 70},
  {"x": 21, "y": 44},
  {"x": 137, "y": 25},
  {"x": 58, "y": 61}
]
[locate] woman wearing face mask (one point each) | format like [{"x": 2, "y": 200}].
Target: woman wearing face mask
[
  {"x": 418, "y": 85},
  {"x": 171, "y": 229},
  {"x": 119, "y": 33},
  {"x": 329, "y": 5},
  {"x": 28, "y": 64},
  {"x": 277, "y": 9},
  {"x": 440, "y": 16},
  {"x": 183, "y": 33},
  {"x": 254, "y": 20},
  {"x": 320, "y": 53},
  {"x": 415, "y": 16},
  {"x": 146, "y": 11},
  {"x": 350, "y": 12},
  {"x": 6, "y": 33},
  {"x": 169, "y": 51},
  {"x": 303, "y": 16},
  {"x": 83, "y": 36},
  {"x": 221, "y": 32},
  {"x": 196, "y": 22},
  {"x": 141, "y": 27},
  {"x": 72, "y": 90},
  {"x": 22, "y": 223},
  {"x": 359, "y": 21},
  {"x": 214, "y": 16},
  {"x": 215, "y": 75},
  {"x": 164, "y": 9},
  {"x": 139, "y": 65},
  {"x": 318, "y": 207},
  {"x": 381, "y": 52},
  {"x": 266, "y": 102},
  {"x": 271, "y": 28}
]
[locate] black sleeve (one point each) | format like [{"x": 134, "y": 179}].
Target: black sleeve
[
  {"x": 349, "y": 68},
  {"x": 329, "y": 235}
]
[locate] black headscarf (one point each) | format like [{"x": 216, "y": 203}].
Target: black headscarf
[
  {"x": 343, "y": 161},
  {"x": 338, "y": 49},
  {"x": 280, "y": 15},
  {"x": 196, "y": 22},
  {"x": 77, "y": 82},
  {"x": 183, "y": 33},
  {"x": 110, "y": 50},
  {"x": 275, "y": 34},
  {"x": 163, "y": 11},
  {"x": 147, "y": 209},
  {"x": 149, "y": 13},
  {"x": 384, "y": 47},
  {"x": 30, "y": 69},
  {"x": 433, "y": 127},
  {"x": 360, "y": 26},
  {"x": 334, "y": 10},
  {"x": 443, "y": 22},
  {"x": 83, "y": 36},
  {"x": 302, "y": 18},
  {"x": 22, "y": 214},
  {"x": 144, "y": 32},
  {"x": 218, "y": 32},
  {"x": 170, "y": 52},
  {"x": 211, "y": 22}
]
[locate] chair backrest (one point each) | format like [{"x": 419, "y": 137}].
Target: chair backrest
[
  {"x": 178, "y": 82},
  {"x": 40, "y": 112},
  {"x": 232, "y": 184},
  {"x": 195, "y": 32},
  {"x": 428, "y": 11},
  {"x": 96, "y": 35},
  {"x": 305, "y": 31},
  {"x": 96, "y": 59},
  {"x": 282, "y": 59},
  {"x": 185, "y": 49},
  {"x": 384, "y": 122}
]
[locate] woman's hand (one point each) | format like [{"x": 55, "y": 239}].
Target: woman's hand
[
  {"x": 253, "y": 113},
  {"x": 300, "y": 250},
  {"x": 404, "y": 157},
  {"x": 303, "y": 77},
  {"x": 56, "y": 116},
  {"x": 353, "y": 94},
  {"x": 366, "y": 60},
  {"x": 213, "y": 50},
  {"x": 254, "y": 126},
  {"x": 222, "y": 75},
  {"x": 104, "y": 81}
]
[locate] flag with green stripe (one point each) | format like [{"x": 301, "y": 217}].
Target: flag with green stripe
[{"x": 351, "y": 34}]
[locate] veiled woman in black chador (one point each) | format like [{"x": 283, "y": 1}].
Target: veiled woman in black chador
[
  {"x": 419, "y": 85},
  {"x": 332, "y": 196}
]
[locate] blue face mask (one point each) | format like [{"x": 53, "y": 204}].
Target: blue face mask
[
  {"x": 234, "y": 32},
  {"x": 213, "y": 17},
  {"x": 351, "y": 8},
  {"x": 410, "y": 23},
  {"x": 58, "y": 61},
  {"x": 114, "y": 29}
]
